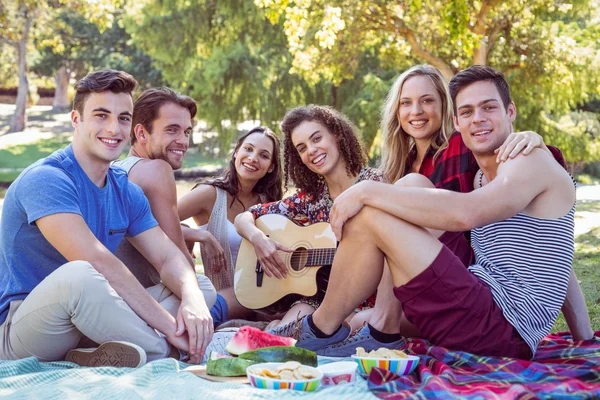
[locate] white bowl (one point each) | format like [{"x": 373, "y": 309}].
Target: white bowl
[
  {"x": 262, "y": 382},
  {"x": 338, "y": 373}
]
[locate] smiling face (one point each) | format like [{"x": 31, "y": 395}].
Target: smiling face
[
  {"x": 420, "y": 110},
  {"x": 170, "y": 135},
  {"x": 481, "y": 117},
  {"x": 317, "y": 147},
  {"x": 254, "y": 157},
  {"x": 102, "y": 131}
]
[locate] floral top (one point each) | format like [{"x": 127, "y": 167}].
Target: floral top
[{"x": 305, "y": 209}]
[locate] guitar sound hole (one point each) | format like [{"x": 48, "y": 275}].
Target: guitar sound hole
[{"x": 299, "y": 259}]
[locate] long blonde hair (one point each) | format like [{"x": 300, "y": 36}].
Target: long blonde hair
[{"x": 397, "y": 144}]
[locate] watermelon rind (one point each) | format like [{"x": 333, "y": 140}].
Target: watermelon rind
[
  {"x": 282, "y": 354},
  {"x": 228, "y": 366}
]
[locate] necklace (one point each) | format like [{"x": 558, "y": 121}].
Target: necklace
[{"x": 480, "y": 178}]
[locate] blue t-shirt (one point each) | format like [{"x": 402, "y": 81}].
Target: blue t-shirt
[{"x": 57, "y": 184}]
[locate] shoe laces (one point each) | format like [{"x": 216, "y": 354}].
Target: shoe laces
[
  {"x": 354, "y": 337},
  {"x": 291, "y": 329}
]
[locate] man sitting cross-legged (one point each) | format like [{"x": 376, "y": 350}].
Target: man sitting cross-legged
[
  {"x": 160, "y": 131},
  {"x": 522, "y": 233},
  {"x": 62, "y": 218}
]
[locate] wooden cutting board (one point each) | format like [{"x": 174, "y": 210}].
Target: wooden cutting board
[{"x": 200, "y": 371}]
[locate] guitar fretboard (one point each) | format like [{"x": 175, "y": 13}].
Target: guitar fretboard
[{"x": 318, "y": 257}]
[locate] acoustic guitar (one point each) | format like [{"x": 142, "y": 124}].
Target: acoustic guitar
[{"x": 314, "y": 248}]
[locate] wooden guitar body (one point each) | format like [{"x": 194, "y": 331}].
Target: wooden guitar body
[{"x": 314, "y": 247}]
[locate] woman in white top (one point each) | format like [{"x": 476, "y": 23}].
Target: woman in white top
[{"x": 254, "y": 176}]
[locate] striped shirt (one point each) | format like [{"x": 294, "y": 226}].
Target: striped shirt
[{"x": 526, "y": 262}]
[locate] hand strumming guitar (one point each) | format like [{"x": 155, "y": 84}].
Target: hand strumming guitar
[{"x": 268, "y": 258}]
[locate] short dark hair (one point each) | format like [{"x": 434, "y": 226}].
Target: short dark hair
[
  {"x": 102, "y": 81},
  {"x": 477, "y": 73},
  {"x": 349, "y": 145},
  {"x": 146, "y": 107}
]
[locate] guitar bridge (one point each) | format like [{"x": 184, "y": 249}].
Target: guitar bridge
[{"x": 259, "y": 274}]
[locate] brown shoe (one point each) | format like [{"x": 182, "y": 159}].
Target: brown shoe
[{"x": 109, "y": 354}]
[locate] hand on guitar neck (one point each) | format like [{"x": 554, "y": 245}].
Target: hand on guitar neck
[{"x": 268, "y": 256}]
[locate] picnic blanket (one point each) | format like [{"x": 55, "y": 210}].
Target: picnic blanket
[
  {"x": 161, "y": 379},
  {"x": 561, "y": 369}
]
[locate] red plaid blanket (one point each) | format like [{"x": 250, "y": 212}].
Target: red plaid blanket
[{"x": 562, "y": 369}]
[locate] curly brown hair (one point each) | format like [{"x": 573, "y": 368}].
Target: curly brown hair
[{"x": 349, "y": 145}]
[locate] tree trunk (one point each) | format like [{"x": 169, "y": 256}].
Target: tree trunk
[
  {"x": 19, "y": 119},
  {"x": 61, "y": 96},
  {"x": 334, "y": 97},
  {"x": 480, "y": 53}
]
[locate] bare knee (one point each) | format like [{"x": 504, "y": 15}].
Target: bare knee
[
  {"x": 365, "y": 222},
  {"x": 414, "y": 180}
]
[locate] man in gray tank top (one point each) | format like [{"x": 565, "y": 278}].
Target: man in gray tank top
[
  {"x": 522, "y": 224},
  {"x": 160, "y": 130}
]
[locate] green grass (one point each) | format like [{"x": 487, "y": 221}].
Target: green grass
[
  {"x": 587, "y": 259},
  {"x": 23, "y": 155}
]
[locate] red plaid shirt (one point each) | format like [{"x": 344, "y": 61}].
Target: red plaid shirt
[{"x": 455, "y": 167}]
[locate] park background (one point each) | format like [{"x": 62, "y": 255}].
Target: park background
[{"x": 246, "y": 61}]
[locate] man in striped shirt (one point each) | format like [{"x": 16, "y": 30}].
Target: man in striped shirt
[{"x": 522, "y": 225}]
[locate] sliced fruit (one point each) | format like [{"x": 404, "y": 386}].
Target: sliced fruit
[
  {"x": 249, "y": 338},
  {"x": 282, "y": 354},
  {"x": 222, "y": 365}
]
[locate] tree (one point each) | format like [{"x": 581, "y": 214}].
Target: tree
[
  {"x": 75, "y": 46},
  {"x": 20, "y": 20},
  {"x": 546, "y": 48},
  {"x": 227, "y": 56}
]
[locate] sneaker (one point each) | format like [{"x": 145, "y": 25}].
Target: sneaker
[
  {"x": 300, "y": 330},
  {"x": 109, "y": 354},
  {"x": 219, "y": 341},
  {"x": 360, "y": 338}
]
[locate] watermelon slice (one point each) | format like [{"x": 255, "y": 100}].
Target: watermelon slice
[
  {"x": 223, "y": 365},
  {"x": 249, "y": 338}
]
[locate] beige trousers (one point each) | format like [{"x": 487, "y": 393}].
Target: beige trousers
[{"x": 75, "y": 306}]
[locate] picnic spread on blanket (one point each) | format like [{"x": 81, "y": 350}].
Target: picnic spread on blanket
[{"x": 561, "y": 369}]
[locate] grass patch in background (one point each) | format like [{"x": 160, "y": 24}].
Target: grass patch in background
[
  {"x": 587, "y": 259},
  {"x": 23, "y": 155}
]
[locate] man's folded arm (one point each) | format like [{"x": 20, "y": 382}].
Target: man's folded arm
[{"x": 71, "y": 237}]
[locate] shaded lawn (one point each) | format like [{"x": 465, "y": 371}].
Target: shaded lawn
[
  {"x": 21, "y": 156},
  {"x": 587, "y": 259}
]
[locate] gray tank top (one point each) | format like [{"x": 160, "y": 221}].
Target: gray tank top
[{"x": 137, "y": 264}]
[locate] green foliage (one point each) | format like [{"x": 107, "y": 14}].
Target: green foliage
[
  {"x": 549, "y": 50},
  {"x": 82, "y": 46},
  {"x": 227, "y": 55}
]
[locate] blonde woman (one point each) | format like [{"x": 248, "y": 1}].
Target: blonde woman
[{"x": 419, "y": 137}]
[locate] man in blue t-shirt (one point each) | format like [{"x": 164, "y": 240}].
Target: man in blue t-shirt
[{"x": 62, "y": 219}]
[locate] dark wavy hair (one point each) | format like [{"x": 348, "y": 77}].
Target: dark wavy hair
[
  {"x": 349, "y": 145},
  {"x": 102, "y": 81},
  {"x": 270, "y": 185}
]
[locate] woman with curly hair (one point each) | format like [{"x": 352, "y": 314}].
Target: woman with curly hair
[
  {"x": 254, "y": 176},
  {"x": 323, "y": 157}
]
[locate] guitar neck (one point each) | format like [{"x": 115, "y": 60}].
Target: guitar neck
[{"x": 318, "y": 257}]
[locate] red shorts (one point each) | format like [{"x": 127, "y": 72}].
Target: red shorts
[{"x": 452, "y": 308}]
